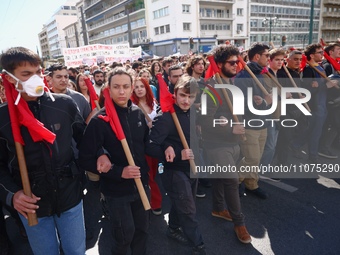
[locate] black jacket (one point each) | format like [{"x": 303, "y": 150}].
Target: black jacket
[
  {"x": 52, "y": 171},
  {"x": 164, "y": 134},
  {"x": 99, "y": 136}
]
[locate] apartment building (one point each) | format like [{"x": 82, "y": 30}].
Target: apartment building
[
  {"x": 64, "y": 16},
  {"x": 208, "y": 22},
  {"x": 284, "y": 22},
  {"x": 117, "y": 21},
  {"x": 330, "y": 16},
  {"x": 164, "y": 27},
  {"x": 44, "y": 46}
]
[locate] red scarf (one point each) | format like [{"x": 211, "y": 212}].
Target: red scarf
[
  {"x": 22, "y": 115},
  {"x": 332, "y": 61}
]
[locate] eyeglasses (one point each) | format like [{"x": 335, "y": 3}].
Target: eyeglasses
[
  {"x": 319, "y": 52},
  {"x": 267, "y": 55},
  {"x": 233, "y": 62}
]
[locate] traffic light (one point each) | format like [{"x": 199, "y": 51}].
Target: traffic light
[{"x": 191, "y": 42}]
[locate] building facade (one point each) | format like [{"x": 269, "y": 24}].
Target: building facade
[
  {"x": 207, "y": 22},
  {"x": 283, "y": 22},
  {"x": 330, "y": 27},
  {"x": 164, "y": 27},
  {"x": 64, "y": 16}
]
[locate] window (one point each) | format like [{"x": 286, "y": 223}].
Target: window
[
  {"x": 186, "y": 26},
  {"x": 162, "y": 29},
  {"x": 161, "y": 13},
  {"x": 156, "y": 30},
  {"x": 185, "y": 8},
  {"x": 239, "y": 11},
  {"x": 239, "y": 27},
  {"x": 220, "y": 13},
  {"x": 167, "y": 28}
]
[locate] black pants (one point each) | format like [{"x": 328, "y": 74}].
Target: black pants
[
  {"x": 182, "y": 192},
  {"x": 130, "y": 223}
]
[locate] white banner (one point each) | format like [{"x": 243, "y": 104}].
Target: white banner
[{"x": 96, "y": 53}]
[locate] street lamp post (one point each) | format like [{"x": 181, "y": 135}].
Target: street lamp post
[{"x": 271, "y": 22}]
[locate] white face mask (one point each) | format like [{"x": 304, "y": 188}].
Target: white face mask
[{"x": 34, "y": 86}]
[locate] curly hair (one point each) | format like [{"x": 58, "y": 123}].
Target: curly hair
[{"x": 224, "y": 52}]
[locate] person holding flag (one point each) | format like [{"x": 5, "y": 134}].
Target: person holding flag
[
  {"x": 252, "y": 147},
  {"x": 39, "y": 127},
  {"x": 332, "y": 124},
  {"x": 103, "y": 152},
  {"x": 221, "y": 143},
  {"x": 166, "y": 145}
]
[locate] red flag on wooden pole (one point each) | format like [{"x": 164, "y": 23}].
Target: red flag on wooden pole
[
  {"x": 93, "y": 94},
  {"x": 113, "y": 119},
  {"x": 167, "y": 105}
]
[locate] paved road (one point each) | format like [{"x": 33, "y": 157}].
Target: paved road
[{"x": 301, "y": 216}]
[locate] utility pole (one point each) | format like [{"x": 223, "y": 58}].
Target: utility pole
[
  {"x": 83, "y": 26},
  {"x": 76, "y": 33},
  {"x": 311, "y": 22}
]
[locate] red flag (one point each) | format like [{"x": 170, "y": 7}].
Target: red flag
[
  {"x": 93, "y": 94},
  {"x": 332, "y": 61},
  {"x": 264, "y": 70},
  {"x": 22, "y": 115},
  {"x": 303, "y": 62},
  {"x": 322, "y": 42},
  {"x": 112, "y": 116},
  {"x": 165, "y": 97}
]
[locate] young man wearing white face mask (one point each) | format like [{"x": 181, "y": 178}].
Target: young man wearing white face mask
[{"x": 47, "y": 126}]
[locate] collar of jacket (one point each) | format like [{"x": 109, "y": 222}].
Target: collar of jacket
[
  {"x": 179, "y": 110},
  {"x": 124, "y": 109},
  {"x": 255, "y": 67}
]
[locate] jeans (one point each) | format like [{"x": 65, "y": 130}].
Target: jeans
[
  {"x": 129, "y": 224},
  {"x": 68, "y": 229}
]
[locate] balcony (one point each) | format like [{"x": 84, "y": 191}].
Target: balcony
[
  {"x": 111, "y": 33},
  {"x": 335, "y": 2},
  {"x": 115, "y": 18},
  {"x": 218, "y": 17},
  {"x": 330, "y": 27},
  {"x": 218, "y": 1},
  {"x": 331, "y": 14}
]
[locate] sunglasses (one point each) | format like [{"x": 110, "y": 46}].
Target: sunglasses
[{"x": 233, "y": 62}]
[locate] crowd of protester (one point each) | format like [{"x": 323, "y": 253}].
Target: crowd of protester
[{"x": 78, "y": 141}]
